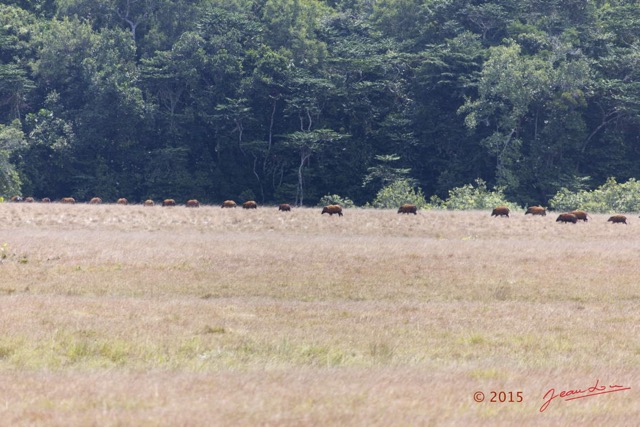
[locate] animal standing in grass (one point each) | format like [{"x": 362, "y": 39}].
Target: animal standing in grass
[
  {"x": 408, "y": 209},
  {"x": 28, "y": 200},
  {"x": 168, "y": 202},
  {"x": 332, "y": 209},
  {"x": 68, "y": 200},
  {"x": 567, "y": 217},
  {"x": 192, "y": 203},
  {"x": 618, "y": 219},
  {"x": 284, "y": 207},
  {"x": 122, "y": 201},
  {"x": 581, "y": 215},
  {"x": 46, "y": 200},
  {"x": 500, "y": 211},
  {"x": 250, "y": 205},
  {"x": 148, "y": 202},
  {"x": 228, "y": 204},
  {"x": 536, "y": 210},
  {"x": 95, "y": 201}
]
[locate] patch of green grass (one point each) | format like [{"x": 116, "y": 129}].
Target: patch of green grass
[
  {"x": 486, "y": 374},
  {"x": 214, "y": 330},
  {"x": 8, "y": 348},
  {"x": 66, "y": 349}
]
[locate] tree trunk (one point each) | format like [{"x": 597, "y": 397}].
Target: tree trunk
[{"x": 304, "y": 157}]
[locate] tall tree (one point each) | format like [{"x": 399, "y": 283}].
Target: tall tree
[{"x": 528, "y": 102}]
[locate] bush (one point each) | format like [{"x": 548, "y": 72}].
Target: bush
[
  {"x": 608, "y": 198},
  {"x": 334, "y": 199},
  {"x": 398, "y": 193},
  {"x": 469, "y": 197}
]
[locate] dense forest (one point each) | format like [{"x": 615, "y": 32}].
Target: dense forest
[{"x": 289, "y": 100}]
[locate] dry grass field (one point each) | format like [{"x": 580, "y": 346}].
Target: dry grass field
[{"x": 129, "y": 315}]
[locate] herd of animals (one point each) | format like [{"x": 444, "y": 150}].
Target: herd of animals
[
  {"x": 191, "y": 203},
  {"x": 569, "y": 217}
]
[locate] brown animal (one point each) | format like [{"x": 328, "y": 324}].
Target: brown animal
[
  {"x": 95, "y": 201},
  {"x": 581, "y": 215},
  {"x": 500, "y": 211},
  {"x": 618, "y": 219},
  {"x": 148, "y": 202},
  {"x": 16, "y": 199},
  {"x": 28, "y": 200},
  {"x": 536, "y": 210},
  {"x": 122, "y": 201},
  {"x": 250, "y": 205},
  {"x": 46, "y": 200},
  {"x": 284, "y": 207},
  {"x": 168, "y": 202},
  {"x": 332, "y": 209},
  {"x": 567, "y": 217},
  {"x": 192, "y": 203},
  {"x": 68, "y": 200},
  {"x": 228, "y": 204},
  {"x": 408, "y": 209}
]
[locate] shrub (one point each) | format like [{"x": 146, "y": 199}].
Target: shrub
[
  {"x": 608, "y": 198},
  {"x": 334, "y": 199},
  {"x": 398, "y": 193},
  {"x": 469, "y": 197}
]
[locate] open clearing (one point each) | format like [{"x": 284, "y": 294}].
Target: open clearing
[{"x": 126, "y": 315}]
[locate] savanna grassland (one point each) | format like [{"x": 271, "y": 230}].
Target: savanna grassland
[{"x": 126, "y": 315}]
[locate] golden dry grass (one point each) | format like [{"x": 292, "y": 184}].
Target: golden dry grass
[{"x": 130, "y": 315}]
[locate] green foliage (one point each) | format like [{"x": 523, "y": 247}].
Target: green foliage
[
  {"x": 528, "y": 103},
  {"x": 307, "y": 143},
  {"x": 610, "y": 197},
  {"x": 384, "y": 172},
  {"x": 47, "y": 130},
  {"x": 335, "y": 199},
  {"x": 11, "y": 139},
  {"x": 398, "y": 193},
  {"x": 291, "y": 25},
  {"x": 298, "y": 98},
  {"x": 470, "y": 197}
]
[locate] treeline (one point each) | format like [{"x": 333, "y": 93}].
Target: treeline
[{"x": 291, "y": 100}]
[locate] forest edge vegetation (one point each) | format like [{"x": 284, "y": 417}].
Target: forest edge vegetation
[{"x": 292, "y": 100}]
